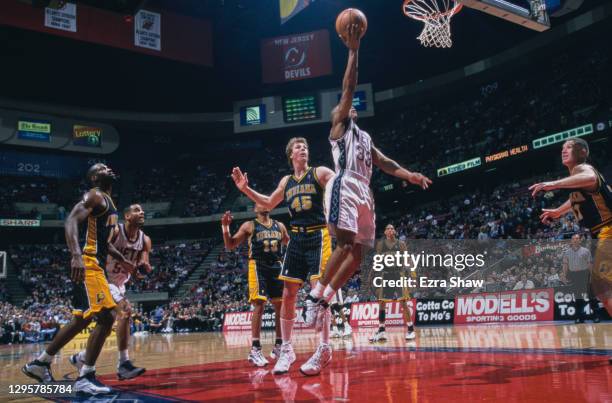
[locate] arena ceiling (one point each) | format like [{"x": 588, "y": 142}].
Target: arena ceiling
[{"x": 46, "y": 68}]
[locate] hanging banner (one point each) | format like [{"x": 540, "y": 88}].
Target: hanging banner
[
  {"x": 296, "y": 57},
  {"x": 63, "y": 18},
  {"x": 291, "y": 8},
  {"x": 147, "y": 30}
]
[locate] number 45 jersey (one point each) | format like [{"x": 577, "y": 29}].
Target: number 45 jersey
[
  {"x": 349, "y": 202},
  {"x": 309, "y": 241},
  {"x": 304, "y": 197}
]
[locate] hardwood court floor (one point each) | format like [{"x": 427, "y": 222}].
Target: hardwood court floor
[{"x": 511, "y": 363}]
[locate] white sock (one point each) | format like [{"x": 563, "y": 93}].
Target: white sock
[
  {"x": 287, "y": 329},
  {"x": 317, "y": 291},
  {"x": 123, "y": 356},
  {"x": 87, "y": 369},
  {"x": 44, "y": 357},
  {"x": 329, "y": 293},
  {"x": 81, "y": 356},
  {"x": 325, "y": 330}
]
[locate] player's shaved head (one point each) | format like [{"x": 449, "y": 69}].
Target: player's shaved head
[
  {"x": 92, "y": 172},
  {"x": 100, "y": 175}
]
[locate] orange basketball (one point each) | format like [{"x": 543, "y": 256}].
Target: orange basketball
[{"x": 348, "y": 17}]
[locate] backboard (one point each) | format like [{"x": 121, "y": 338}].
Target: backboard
[{"x": 532, "y": 14}]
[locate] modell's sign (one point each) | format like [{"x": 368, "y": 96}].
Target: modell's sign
[
  {"x": 509, "y": 306},
  {"x": 236, "y": 321},
  {"x": 88, "y": 136},
  {"x": 365, "y": 314},
  {"x": 428, "y": 311}
]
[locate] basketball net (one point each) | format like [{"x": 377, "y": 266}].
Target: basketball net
[{"x": 436, "y": 15}]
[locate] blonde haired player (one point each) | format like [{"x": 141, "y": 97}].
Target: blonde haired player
[
  {"x": 309, "y": 242},
  {"x": 349, "y": 203},
  {"x": 135, "y": 246},
  {"x": 590, "y": 201}
]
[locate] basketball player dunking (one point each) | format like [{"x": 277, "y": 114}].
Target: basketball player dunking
[
  {"x": 265, "y": 237},
  {"x": 135, "y": 246},
  {"x": 309, "y": 242},
  {"x": 91, "y": 293},
  {"x": 348, "y": 199},
  {"x": 390, "y": 245},
  {"x": 591, "y": 203}
]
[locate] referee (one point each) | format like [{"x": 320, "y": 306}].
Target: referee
[{"x": 577, "y": 262}]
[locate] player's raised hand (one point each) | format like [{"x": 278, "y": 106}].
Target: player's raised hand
[
  {"x": 541, "y": 187},
  {"x": 549, "y": 215},
  {"x": 227, "y": 218},
  {"x": 241, "y": 180},
  {"x": 353, "y": 37},
  {"x": 420, "y": 180}
]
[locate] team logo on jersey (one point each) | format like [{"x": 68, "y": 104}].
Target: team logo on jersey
[{"x": 99, "y": 297}]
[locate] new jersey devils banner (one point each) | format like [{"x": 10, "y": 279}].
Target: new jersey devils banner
[
  {"x": 296, "y": 57},
  {"x": 509, "y": 306}
]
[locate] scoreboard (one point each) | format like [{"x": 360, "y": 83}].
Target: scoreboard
[
  {"x": 279, "y": 112},
  {"x": 301, "y": 108}
]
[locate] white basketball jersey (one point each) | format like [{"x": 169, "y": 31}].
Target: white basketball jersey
[
  {"x": 352, "y": 153},
  {"x": 130, "y": 250}
]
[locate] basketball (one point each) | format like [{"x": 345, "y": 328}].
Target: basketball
[{"x": 348, "y": 17}]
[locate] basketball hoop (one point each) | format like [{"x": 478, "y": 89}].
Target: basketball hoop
[{"x": 436, "y": 15}]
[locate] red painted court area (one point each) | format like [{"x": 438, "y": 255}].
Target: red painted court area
[{"x": 395, "y": 375}]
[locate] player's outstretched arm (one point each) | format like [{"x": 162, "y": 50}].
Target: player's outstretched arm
[
  {"x": 548, "y": 215},
  {"x": 239, "y": 237},
  {"x": 583, "y": 177},
  {"x": 389, "y": 166},
  {"x": 79, "y": 213},
  {"x": 269, "y": 202},
  {"x": 341, "y": 112}
]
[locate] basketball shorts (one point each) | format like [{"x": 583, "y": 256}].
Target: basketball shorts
[
  {"x": 93, "y": 294},
  {"x": 388, "y": 294},
  {"x": 349, "y": 205},
  {"x": 307, "y": 254},
  {"x": 264, "y": 282},
  {"x": 601, "y": 275},
  {"x": 117, "y": 292}
]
